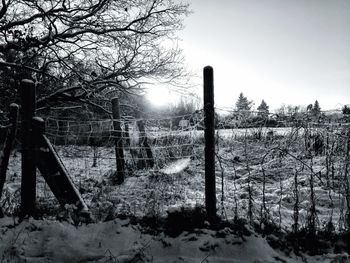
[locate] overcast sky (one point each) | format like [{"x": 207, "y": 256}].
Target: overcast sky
[{"x": 282, "y": 51}]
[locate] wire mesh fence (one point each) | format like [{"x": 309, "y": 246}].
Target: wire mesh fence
[
  {"x": 294, "y": 176},
  {"x": 290, "y": 172},
  {"x": 95, "y": 140},
  {"x": 87, "y": 149}
]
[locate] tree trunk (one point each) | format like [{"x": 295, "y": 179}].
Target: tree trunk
[{"x": 7, "y": 148}]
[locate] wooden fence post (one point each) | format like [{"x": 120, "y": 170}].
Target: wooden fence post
[
  {"x": 118, "y": 133},
  {"x": 209, "y": 136},
  {"x": 53, "y": 170},
  {"x": 8, "y": 146},
  {"x": 28, "y": 183}
]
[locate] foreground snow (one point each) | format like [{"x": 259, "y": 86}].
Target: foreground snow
[{"x": 120, "y": 241}]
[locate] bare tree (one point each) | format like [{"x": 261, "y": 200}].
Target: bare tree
[{"x": 75, "y": 49}]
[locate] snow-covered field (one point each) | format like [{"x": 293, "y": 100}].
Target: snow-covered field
[
  {"x": 278, "y": 172},
  {"x": 241, "y": 164}
]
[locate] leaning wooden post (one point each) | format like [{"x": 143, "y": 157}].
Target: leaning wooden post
[
  {"x": 209, "y": 136},
  {"x": 118, "y": 133},
  {"x": 8, "y": 145},
  {"x": 28, "y": 183},
  {"x": 38, "y": 128}
]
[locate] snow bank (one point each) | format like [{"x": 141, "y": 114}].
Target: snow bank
[{"x": 119, "y": 241}]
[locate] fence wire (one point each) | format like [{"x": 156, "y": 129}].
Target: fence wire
[
  {"x": 293, "y": 174},
  {"x": 291, "y": 171},
  {"x": 87, "y": 149},
  {"x": 95, "y": 140}
]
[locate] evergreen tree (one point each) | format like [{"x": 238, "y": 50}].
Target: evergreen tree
[
  {"x": 243, "y": 106},
  {"x": 316, "y": 109},
  {"x": 263, "y": 109}
]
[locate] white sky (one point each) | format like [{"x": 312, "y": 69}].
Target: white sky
[{"x": 282, "y": 51}]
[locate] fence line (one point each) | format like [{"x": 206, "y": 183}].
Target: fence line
[{"x": 272, "y": 174}]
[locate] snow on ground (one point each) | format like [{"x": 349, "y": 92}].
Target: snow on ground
[
  {"x": 153, "y": 192},
  {"x": 181, "y": 183},
  {"x": 119, "y": 241}
]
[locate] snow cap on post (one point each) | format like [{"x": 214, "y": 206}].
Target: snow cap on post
[{"x": 27, "y": 81}]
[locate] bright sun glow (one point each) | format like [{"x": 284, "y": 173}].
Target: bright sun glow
[{"x": 160, "y": 96}]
